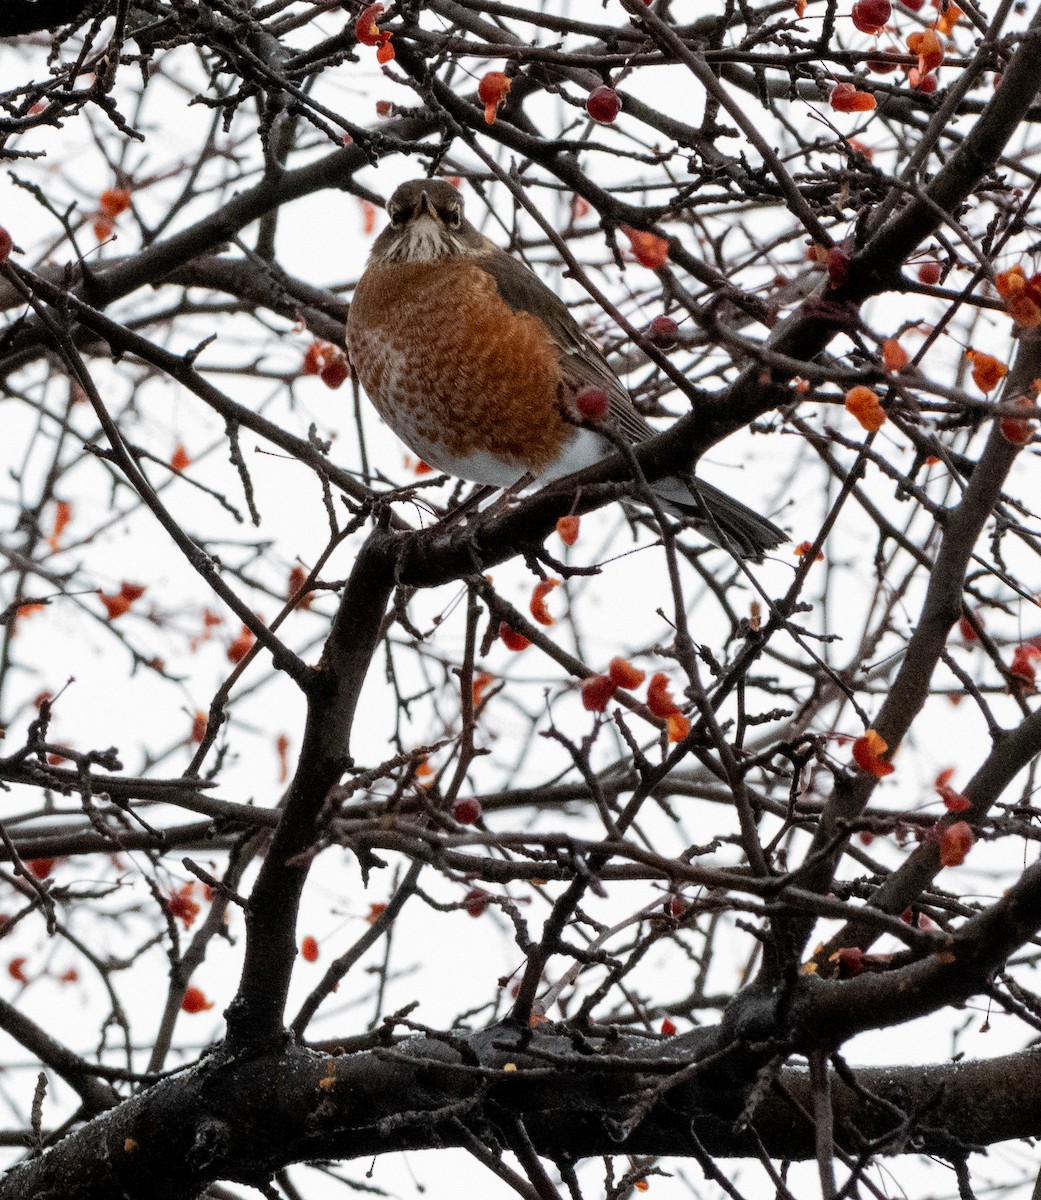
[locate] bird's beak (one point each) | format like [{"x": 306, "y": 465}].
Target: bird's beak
[{"x": 424, "y": 205}]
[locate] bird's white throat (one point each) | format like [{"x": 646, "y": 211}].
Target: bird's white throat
[{"x": 425, "y": 239}]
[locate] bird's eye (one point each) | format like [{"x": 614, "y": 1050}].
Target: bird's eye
[
  {"x": 450, "y": 216},
  {"x": 398, "y": 215}
]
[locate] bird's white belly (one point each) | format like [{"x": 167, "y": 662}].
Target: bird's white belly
[{"x": 584, "y": 449}]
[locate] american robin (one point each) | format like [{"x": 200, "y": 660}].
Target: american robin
[{"x": 475, "y": 364}]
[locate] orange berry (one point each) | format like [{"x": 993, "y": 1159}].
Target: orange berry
[
  {"x": 62, "y": 516},
  {"x": 113, "y": 201},
  {"x": 867, "y": 754},
  {"x": 863, "y": 403},
  {"x": 845, "y": 97},
  {"x": 929, "y": 47},
  {"x": 894, "y": 356},
  {"x": 1017, "y": 430},
  {"x": 678, "y": 726},
  {"x": 987, "y": 371},
  {"x": 241, "y": 646},
  {"x": 309, "y": 949},
  {"x": 649, "y": 250},
  {"x": 538, "y": 601},
  {"x": 492, "y": 92},
  {"x": 481, "y": 684},
  {"x": 195, "y": 1000},
  {"x": 115, "y": 606},
  {"x": 567, "y": 530},
  {"x": 624, "y": 674},
  {"x": 282, "y": 751},
  {"x": 182, "y": 906},
  {"x": 947, "y": 20},
  {"x": 953, "y": 801}
]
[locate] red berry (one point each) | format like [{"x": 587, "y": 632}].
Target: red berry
[
  {"x": 476, "y": 901},
  {"x": 511, "y": 639},
  {"x": 880, "y": 66},
  {"x": 838, "y": 266},
  {"x": 366, "y": 29},
  {"x": 6, "y": 243},
  {"x": 967, "y": 630},
  {"x": 870, "y": 16},
  {"x": 467, "y": 812},
  {"x": 334, "y": 373},
  {"x": 929, "y": 272},
  {"x": 928, "y": 84},
  {"x": 591, "y": 403},
  {"x": 1016, "y": 430},
  {"x": 315, "y": 357},
  {"x": 955, "y": 842},
  {"x": 603, "y": 104},
  {"x": 664, "y": 333},
  {"x": 849, "y": 960},
  {"x": 597, "y": 690}
]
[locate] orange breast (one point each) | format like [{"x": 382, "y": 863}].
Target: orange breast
[{"x": 447, "y": 362}]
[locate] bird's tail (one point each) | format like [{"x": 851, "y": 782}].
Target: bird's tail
[{"x": 720, "y": 518}]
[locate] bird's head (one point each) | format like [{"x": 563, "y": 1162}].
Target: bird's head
[{"x": 426, "y": 223}]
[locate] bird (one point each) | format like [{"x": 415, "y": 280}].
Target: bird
[{"x": 476, "y": 364}]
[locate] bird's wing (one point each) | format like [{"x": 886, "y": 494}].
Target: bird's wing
[
  {"x": 581, "y": 358},
  {"x": 719, "y": 517}
]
